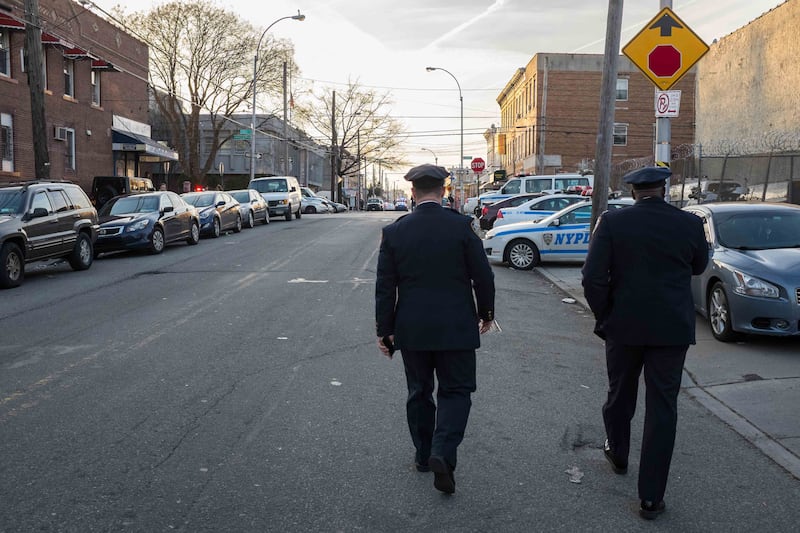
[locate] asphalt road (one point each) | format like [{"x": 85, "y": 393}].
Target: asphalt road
[{"x": 236, "y": 386}]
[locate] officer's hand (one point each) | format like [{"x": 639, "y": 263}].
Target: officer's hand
[
  {"x": 383, "y": 348},
  {"x": 484, "y": 326}
]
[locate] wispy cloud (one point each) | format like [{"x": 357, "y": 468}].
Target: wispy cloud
[{"x": 461, "y": 27}]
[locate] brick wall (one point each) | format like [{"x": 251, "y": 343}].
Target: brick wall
[{"x": 123, "y": 93}]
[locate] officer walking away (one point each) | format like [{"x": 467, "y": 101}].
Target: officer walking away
[
  {"x": 636, "y": 279},
  {"x": 430, "y": 264}
]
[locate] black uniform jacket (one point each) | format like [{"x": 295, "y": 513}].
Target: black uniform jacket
[
  {"x": 430, "y": 262},
  {"x": 637, "y": 274}
]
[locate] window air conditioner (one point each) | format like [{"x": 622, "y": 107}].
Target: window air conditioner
[{"x": 60, "y": 134}]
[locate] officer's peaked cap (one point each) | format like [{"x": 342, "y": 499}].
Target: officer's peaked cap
[
  {"x": 647, "y": 177},
  {"x": 427, "y": 171}
]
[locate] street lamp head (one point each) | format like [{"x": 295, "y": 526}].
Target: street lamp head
[
  {"x": 430, "y": 69},
  {"x": 299, "y": 16}
]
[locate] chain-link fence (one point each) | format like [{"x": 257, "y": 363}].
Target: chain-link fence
[{"x": 764, "y": 170}]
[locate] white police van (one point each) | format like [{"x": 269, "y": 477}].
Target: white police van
[{"x": 536, "y": 184}]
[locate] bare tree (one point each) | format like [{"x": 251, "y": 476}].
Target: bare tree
[
  {"x": 364, "y": 126},
  {"x": 201, "y": 61}
]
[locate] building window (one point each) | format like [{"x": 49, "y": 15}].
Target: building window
[
  {"x": 95, "y": 88},
  {"x": 69, "y": 149},
  {"x": 69, "y": 77},
  {"x": 620, "y": 134},
  {"x": 5, "y": 53},
  {"x": 622, "y": 89},
  {"x": 7, "y": 142}
]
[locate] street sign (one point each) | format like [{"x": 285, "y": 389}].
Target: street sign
[
  {"x": 665, "y": 49},
  {"x": 668, "y": 103},
  {"x": 245, "y": 132},
  {"x": 478, "y": 164},
  {"x": 240, "y": 137}
]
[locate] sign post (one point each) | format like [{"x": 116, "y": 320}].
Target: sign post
[{"x": 478, "y": 165}]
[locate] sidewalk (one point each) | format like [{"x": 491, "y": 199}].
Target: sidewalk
[{"x": 752, "y": 386}]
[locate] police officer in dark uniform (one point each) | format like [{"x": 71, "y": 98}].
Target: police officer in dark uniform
[
  {"x": 636, "y": 279},
  {"x": 430, "y": 265}
]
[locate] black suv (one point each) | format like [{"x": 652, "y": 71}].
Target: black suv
[
  {"x": 104, "y": 188},
  {"x": 44, "y": 220}
]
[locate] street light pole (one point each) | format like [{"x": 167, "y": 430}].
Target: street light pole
[
  {"x": 299, "y": 17},
  {"x": 461, "y": 100},
  {"x": 435, "y": 159}
]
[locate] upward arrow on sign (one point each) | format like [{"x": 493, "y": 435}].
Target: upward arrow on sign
[{"x": 666, "y": 24}]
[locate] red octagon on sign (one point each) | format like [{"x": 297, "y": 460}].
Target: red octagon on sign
[
  {"x": 478, "y": 164},
  {"x": 664, "y": 61}
]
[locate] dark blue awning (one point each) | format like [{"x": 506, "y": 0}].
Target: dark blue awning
[{"x": 125, "y": 141}]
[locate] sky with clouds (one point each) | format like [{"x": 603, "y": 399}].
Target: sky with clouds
[{"x": 386, "y": 45}]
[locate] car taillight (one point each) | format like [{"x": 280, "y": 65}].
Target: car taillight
[
  {"x": 500, "y": 214},
  {"x": 485, "y": 210}
]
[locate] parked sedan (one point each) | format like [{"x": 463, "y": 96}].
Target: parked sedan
[
  {"x": 314, "y": 204},
  {"x": 752, "y": 283},
  {"x": 336, "y": 207},
  {"x": 536, "y": 209},
  {"x": 252, "y": 206},
  {"x": 489, "y": 212},
  {"x": 563, "y": 236},
  {"x": 146, "y": 221},
  {"x": 219, "y": 212}
]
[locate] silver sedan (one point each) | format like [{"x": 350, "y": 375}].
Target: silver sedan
[
  {"x": 252, "y": 206},
  {"x": 752, "y": 283}
]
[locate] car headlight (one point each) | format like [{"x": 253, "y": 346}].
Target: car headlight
[
  {"x": 283, "y": 202},
  {"x": 748, "y": 285},
  {"x": 138, "y": 225}
]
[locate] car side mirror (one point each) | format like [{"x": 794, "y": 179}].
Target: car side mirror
[
  {"x": 221, "y": 203},
  {"x": 168, "y": 209},
  {"x": 38, "y": 212},
  {"x": 556, "y": 222}
]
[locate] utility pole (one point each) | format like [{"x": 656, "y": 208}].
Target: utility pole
[
  {"x": 287, "y": 168},
  {"x": 605, "y": 129},
  {"x": 334, "y": 147},
  {"x": 33, "y": 63}
]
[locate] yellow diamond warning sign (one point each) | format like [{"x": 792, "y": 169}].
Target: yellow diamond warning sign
[{"x": 665, "y": 49}]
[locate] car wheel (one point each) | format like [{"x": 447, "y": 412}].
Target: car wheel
[
  {"x": 157, "y": 241},
  {"x": 298, "y": 214},
  {"x": 310, "y": 210},
  {"x": 13, "y": 266},
  {"x": 266, "y": 217},
  {"x": 216, "y": 228},
  {"x": 82, "y": 255},
  {"x": 522, "y": 254},
  {"x": 289, "y": 215},
  {"x": 719, "y": 314},
  {"x": 194, "y": 234},
  {"x": 238, "y": 227},
  {"x": 251, "y": 220}
]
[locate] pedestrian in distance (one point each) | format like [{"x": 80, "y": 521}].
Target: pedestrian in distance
[
  {"x": 434, "y": 297},
  {"x": 636, "y": 279}
]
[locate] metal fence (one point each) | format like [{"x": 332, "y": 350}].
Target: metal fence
[{"x": 724, "y": 171}]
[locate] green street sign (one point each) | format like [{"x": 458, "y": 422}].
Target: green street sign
[{"x": 245, "y": 132}]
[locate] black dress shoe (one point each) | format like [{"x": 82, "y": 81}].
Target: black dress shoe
[
  {"x": 443, "y": 478},
  {"x": 650, "y": 510},
  {"x": 616, "y": 466}
]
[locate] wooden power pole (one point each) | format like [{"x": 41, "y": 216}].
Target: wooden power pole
[
  {"x": 33, "y": 67},
  {"x": 605, "y": 130},
  {"x": 334, "y": 147}
]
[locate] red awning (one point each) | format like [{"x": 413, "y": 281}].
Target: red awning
[
  {"x": 77, "y": 53},
  {"x": 8, "y": 22},
  {"x": 101, "y": 64},
  {"x": 52, "y": 39}
]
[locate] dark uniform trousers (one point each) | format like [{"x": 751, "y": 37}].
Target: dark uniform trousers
[
  {"x": 663, "y": 367},
  {"x": 455, "y": 372}
]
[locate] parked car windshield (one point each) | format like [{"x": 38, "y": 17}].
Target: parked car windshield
[
  {"x": 200, "y": 200},
  {"x": 10, "y": 201},
  {"x": 131, "y": 204},
  {"x": 276, "y": 185},
  {"x": 761, "y": 230},
  {"x": 241, "y": 196}
]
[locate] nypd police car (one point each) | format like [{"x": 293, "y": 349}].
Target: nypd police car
[
  {"x": 536, "y": 209},
  {"x": 562, "y": 236}
]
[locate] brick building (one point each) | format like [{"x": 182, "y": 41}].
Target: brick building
[
  {"x": 96, "y": 97},
  {"x": 550, "y": 114}
]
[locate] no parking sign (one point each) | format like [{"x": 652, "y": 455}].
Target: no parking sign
[{"x": 668, "y": 103}]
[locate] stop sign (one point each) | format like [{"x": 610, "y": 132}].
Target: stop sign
[
  {"x": 478, "y": 164},
  {"x": 664, "y": 61}
]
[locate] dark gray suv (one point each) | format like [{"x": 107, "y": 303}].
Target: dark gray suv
[{"x": 44, "y": 220}]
